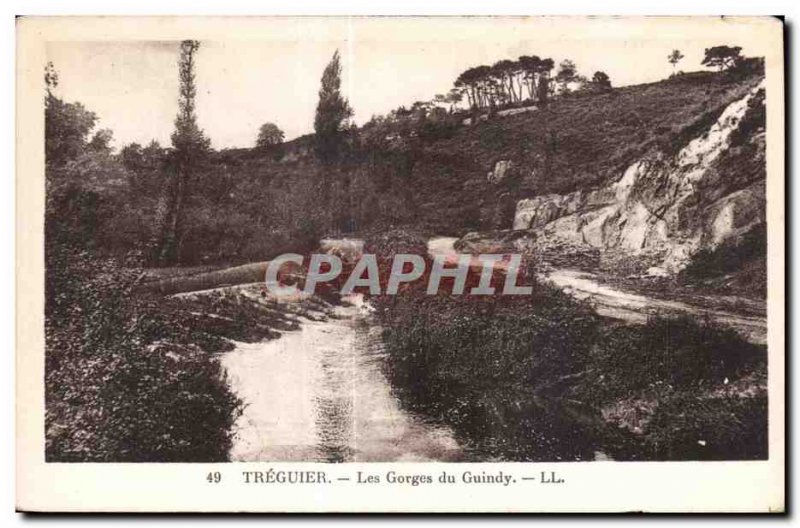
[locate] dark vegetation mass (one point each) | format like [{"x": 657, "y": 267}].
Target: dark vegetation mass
[
  {"x": 420, "y": 168},
  {"x": 542, "y": 377}
]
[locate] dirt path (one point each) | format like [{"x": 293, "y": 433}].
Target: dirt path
[
  {"x": 633, "y": 307},
  {"x": 616, "y": 303}
]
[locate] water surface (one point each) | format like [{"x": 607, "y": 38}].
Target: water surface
[{"x": 319, "y": 394}]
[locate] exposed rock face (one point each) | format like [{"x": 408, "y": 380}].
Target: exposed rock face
[
  {"x": 679, "y": 204},
  {"x": 500, "y": 171}
]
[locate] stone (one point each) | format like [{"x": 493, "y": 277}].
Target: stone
[{"x": 500, "y": 171}]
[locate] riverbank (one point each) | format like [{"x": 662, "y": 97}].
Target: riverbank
[
  {"x": 132, "y": 376},
  {"x": 545, "y": 377},
  {"x": 552, "y": 381},
  {"x": 548, "y": 378}
]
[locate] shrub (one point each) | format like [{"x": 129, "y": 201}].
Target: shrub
[
  {"x": 477, "y": 365},
  {"x": 689, "y": 427},
  {"x": 676, "y": 351},
  {"x": 526, "y": 378},
  {"x": 730, "y": 256},
  {"x": 126, "y": 381}
]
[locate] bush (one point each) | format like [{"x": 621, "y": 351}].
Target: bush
[
  {"x": 527, "y": 378},
  {"x": 477, "y": 364},
  {"x": 675, "y": 351},
  {"x": 671, "y": 381},
  {"x": 126, "y": 380},
  {"x": 717, "y": 428},
  {"x": 731, "y": 256}
]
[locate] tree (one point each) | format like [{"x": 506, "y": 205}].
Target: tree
[
  {"x": 567, "y": 73},
  {"x": 50, "y": 79},
  {"x": 674, "y": 58},
  {"x": 101, "y": 141},
  {"x": 601, "y": 81},
  {"x": 333, "y": 111},
  {"x": 190, "y": 146},
  {"x": 505, "y": 71},
  {"x": 454, "y": 97},
  {"x": 145, "y": 167},
  {"x": 543, "y": 84},
  {"x": 529, "y": 65},
  {"x": 722, "y": 57},
  {"x": 67, "y": 125},
  {"x": 269, "y": 134}
]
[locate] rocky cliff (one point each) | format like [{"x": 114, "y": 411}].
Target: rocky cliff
[{"x": 669, "y": 204}]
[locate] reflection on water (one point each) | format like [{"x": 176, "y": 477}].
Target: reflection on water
[{"x": 319, "y": 394}]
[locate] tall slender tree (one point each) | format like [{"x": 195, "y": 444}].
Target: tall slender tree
[
  {"x": 333, "y": 111},
  {"x": 190, "y": 146},
  {"x": 543, "y": 70},
  {"x": 529, "y": 64}
]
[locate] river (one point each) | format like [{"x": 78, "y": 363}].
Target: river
[{"x": 318, "y": 394}]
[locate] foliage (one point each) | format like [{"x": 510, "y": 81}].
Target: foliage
[
  {"x": 190, "y": 147},
  {"x": 121, "y": 384},
  {"x": 101, "y": 141},
  {"x": 675, "y": 351},
  {"x": 333, "y": 111},
  {"x": 736, "y": 266},
  {"x": 502, "y": 84},
  {"x": 601, "y": 82},
  {"x": 566, "y": 75},
  {"x": 524, "y": 379},
  {"x": 67, "y": 126},
  {"x": 721, "y": 57},
  {"x": 477, "y": 365},
  {"x": 724, "y": 427},
  {"x": 127, "y": 378},
  {"x": 417, "y": 166},
  {"x": 674, "y": 58},
  {"x": 269, "y": 135}
]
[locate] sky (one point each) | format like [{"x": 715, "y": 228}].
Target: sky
[{"x": 271, "y": 71}]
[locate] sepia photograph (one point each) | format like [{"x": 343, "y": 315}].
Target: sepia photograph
[{"x": 356, "y": 240}]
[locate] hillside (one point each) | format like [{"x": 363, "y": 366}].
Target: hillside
[{"x": 472, "y": 177}]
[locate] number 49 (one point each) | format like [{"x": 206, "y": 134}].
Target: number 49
[{"x": 215, "y": 477}]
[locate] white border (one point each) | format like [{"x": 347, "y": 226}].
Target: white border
[{"x": 167, "y": 486}]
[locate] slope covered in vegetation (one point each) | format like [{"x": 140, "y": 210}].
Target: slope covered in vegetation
[
  {"x": 438, "y": 181},
  {"x": 429, "y": 174}
]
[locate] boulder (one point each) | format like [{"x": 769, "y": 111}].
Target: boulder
[{"x": 500, "y": 171}]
